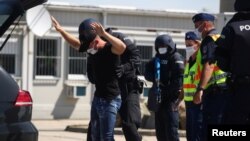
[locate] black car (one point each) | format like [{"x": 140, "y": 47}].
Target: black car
[{"x": 15, "y": 104}]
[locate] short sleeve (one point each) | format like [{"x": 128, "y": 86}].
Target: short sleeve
[{"x": 208, "y": 47}]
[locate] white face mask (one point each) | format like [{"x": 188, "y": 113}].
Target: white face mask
[
  {"x": 162, "y": 50},
  {"x": 198, "y": 33},
  {"x": 189, "y": 51},
  {"x": 92, "y": 51}
]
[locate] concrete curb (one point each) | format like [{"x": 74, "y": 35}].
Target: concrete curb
[{"x": 118, "y": 130}]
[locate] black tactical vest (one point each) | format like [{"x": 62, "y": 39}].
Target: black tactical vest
[{"x": 240, "y": 53}]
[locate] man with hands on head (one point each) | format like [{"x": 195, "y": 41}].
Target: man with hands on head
[{"x": 104, "y": 60}]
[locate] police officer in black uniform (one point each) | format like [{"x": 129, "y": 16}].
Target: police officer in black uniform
[
  {"x": 171, "y": 82},
  {"x": 127, "y": 73},
  {"x": 233, "y": 56},
  {"x": 211, "y": 90}
]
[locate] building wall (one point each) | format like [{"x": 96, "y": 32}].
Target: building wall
[
  {"x": 52, "y": 94},
  {"x": 227, "y": 6}
]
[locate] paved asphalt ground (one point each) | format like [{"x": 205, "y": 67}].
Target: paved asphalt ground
[{"x": 55, "y": 130}]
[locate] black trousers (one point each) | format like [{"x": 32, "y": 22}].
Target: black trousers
[
  {"x": 131, "y": 117},
  {"x": 213, "y": 108},
  {"x": 238, "y": 107},
  {"x": 167, "y": 123}
]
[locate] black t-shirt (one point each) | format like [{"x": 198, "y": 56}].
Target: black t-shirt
[
  {"x": 208, "y": 47},
  {"x": 103, "y": 65}
]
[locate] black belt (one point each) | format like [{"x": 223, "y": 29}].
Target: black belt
[{"x": 214, "y": 88}]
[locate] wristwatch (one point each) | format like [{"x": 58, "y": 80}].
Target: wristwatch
[{"x": 199, "y": 88}]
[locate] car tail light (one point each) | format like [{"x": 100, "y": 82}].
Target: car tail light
[{"x": 23, "y": 98}]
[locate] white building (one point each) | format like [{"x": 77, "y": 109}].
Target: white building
[{"x": 55, "y": 74}]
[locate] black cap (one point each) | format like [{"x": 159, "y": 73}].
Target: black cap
[
  {"x": 164, "y": 41},
  {"x": 203, "y": 17},
  {"x": 191, "y": 36},
  {"x": 242, "y": 5},
  {"x": 86, "y": 33}
]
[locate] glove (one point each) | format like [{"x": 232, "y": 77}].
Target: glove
[{"x": 120, "y": 71}]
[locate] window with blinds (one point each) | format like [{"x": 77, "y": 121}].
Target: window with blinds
[
  {"x": 11, "y": 55},
  {"x": 7, "y": 61},
  {"x": 77, "y": 62}
]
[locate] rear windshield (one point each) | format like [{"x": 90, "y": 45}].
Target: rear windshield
[
  {"x": 3, "y": 18},
  {"x": 5, "y": 11}
]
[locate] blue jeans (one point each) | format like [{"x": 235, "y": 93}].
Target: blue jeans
[
  {"x": 194, "y": 121},
  {"x": 103, "y": 118}
]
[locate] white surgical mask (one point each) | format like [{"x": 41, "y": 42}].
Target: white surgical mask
[
  {"x": 162, "y": 50},
  {"x": 189, "y": 51},
  {"x": 92, "y": 51},
  {"x": 198, "y": 33}
]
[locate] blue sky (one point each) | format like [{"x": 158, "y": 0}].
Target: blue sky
[{"x": 190, "y": 5}]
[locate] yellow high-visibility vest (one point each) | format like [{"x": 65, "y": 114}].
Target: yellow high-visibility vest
[
  {"x": 191, "y": 79},
  {"x": 218, "y": 76}
]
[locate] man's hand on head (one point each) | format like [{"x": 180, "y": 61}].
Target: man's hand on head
[{"x": 99, "y": 30}]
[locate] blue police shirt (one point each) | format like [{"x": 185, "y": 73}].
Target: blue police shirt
[{"x": 208, "y": 47}]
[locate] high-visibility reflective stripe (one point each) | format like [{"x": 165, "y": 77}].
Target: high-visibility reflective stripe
[
  {"x": 216, "y": 68},
  {"x": 189, "y": 86},
  {"x": 179, "y": 62},
  {"x": 188, "y": 98},
  {"x": 218, "y": 77},
  {"x": 190, "y": 94},
  {"x": 198, "y": 74}
]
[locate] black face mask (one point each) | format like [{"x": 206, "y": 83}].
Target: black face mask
[{"x": 86, "y": 38}]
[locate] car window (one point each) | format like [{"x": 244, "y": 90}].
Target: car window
[
  {"x": 5, "y": 11},
  {"x": 11, "y": 9},
  {"x": 3, "y": 18}
]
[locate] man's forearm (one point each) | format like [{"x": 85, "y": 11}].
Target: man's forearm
[
  {"x": 118, "y": 47},
  {"x": 72, "y": 40},
  {"x": 206, "y": 74}
]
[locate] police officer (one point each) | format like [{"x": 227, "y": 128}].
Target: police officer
[
  {"x": 233, "y": 56},
  {"x": 211, "y": 88},
  {"x": 105, "y": 58},
  {"x": 193, "y": 111},
  {"x": 130, "y": 112},
  {"x": 171, "y": 68}
]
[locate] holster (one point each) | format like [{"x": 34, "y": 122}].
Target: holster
[{"x": 135, "y": 85}]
